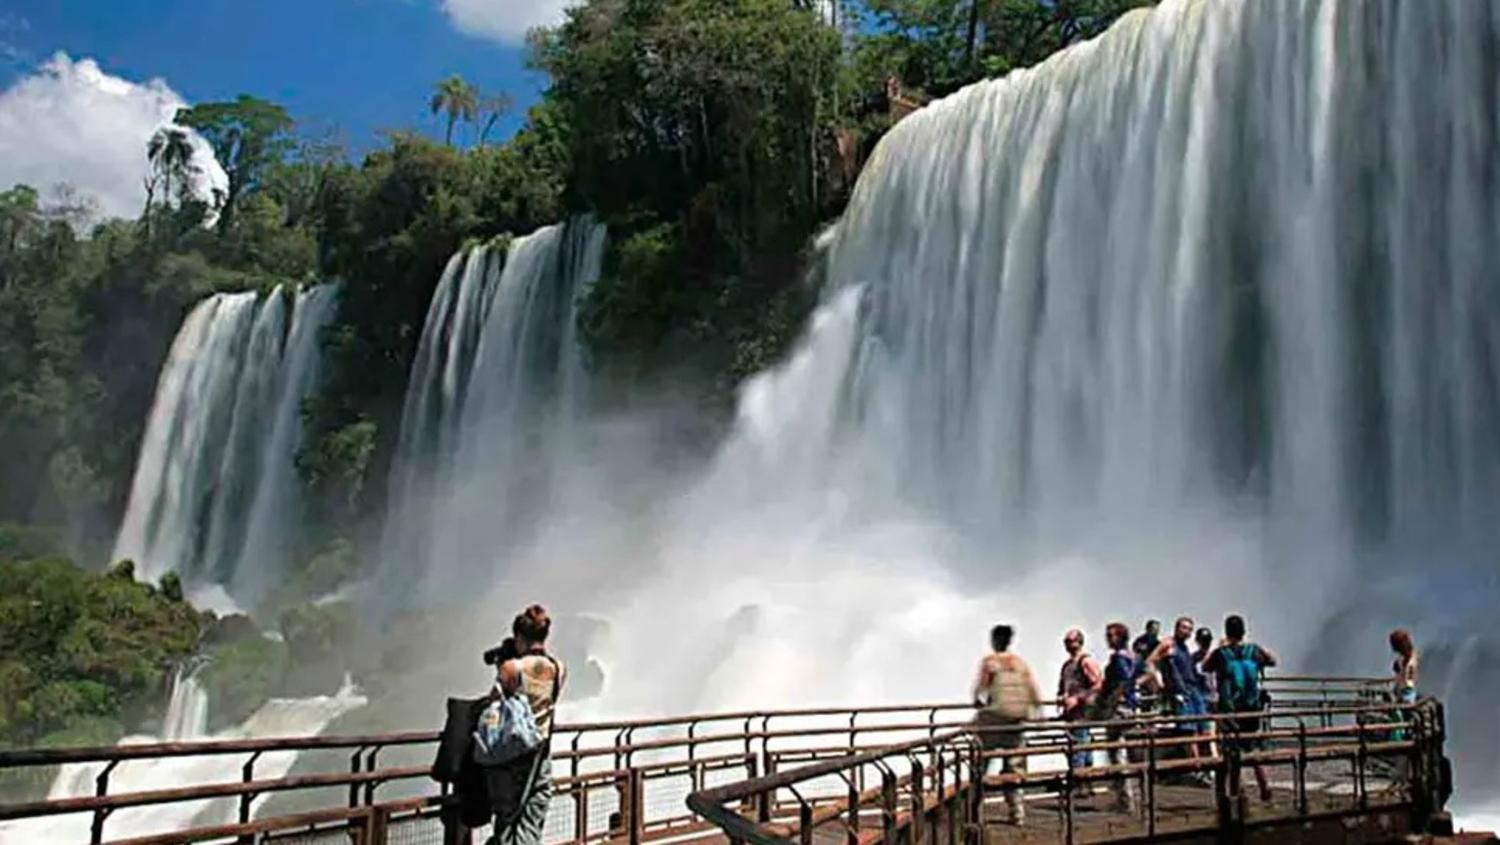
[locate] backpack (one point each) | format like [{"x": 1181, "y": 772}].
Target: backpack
[
  {"x": 1010, "y": 691},
  {"x": 507, "y": 728},
  {"x": 1239, "y": 679}
]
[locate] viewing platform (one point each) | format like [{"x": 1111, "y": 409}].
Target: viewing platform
[{"x": 1344, "y": 765}]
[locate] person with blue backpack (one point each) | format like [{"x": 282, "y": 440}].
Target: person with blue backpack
[
  {"x": 513, "y": 735},
  {"x": 1240, "y": 666}
]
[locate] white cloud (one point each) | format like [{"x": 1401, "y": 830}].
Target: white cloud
[
  {"x": 70, "y": 122},
  {"x": 507, "y": 21}
]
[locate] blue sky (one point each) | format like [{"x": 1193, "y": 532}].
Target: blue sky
[{"x": 359, "y": 65}]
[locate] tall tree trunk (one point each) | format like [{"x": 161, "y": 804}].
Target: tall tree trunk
[{"x": 448, "y": 136}]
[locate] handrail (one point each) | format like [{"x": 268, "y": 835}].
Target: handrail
[
  {"x": 11, "y": 758},
  {"x": 1338, "y": 697},
  {"x": 721, "y": 804}
]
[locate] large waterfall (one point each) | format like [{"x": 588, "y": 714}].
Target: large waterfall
[
  {"x": 215, "y": 491},
  {"x": 496, "y": 388},
  {"x": 1202, "y": 316}
]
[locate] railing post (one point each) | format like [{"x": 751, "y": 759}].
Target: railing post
[
  {"x": 354, "y": 761},
  {"x": 1068, "y": 786},
  {"x": 1361, "y": 789},
  {"x": 637, "y": 807},
  {"x": 370, "y": 768},
  {"x": 1150, "y": 783},
  {"x": 378, "y": 825},
  {"x": 888, "y": 806},
  {"x": 918, "y": 802},
  {"x": 247, "y": 774},
  {"x": 1301, "y": 766},
  {"x": 101, "y": 789}
]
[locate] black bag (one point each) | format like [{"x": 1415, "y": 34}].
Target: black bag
[{"x": 454, "y": 761}]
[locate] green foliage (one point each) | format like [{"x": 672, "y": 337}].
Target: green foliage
[
  {"x": 247, "y": 136},
  {"x": 940, "y": 45},
  {"x": 82, "y": 648},
  {"x": 458, "y": 100}
]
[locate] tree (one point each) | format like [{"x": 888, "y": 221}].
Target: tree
[
  {"x": 458, "y": 99},
  {"x": 495, "y": 106},
  {"x": 247, "y": 136},
  {"x": 170, "y": 152}
]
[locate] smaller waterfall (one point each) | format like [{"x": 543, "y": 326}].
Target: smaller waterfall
[
  {"x": 186, "y": 719},
  {"x": 187, "y": 710},
  {"x": 215, "y": 493},
  {"x": 495, "y": 394}
]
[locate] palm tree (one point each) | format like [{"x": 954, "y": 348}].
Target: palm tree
[
  {"x": 458, "y": 99},
  {"x": 170, "y": 153},
  {"x": 495, "y": 106}
]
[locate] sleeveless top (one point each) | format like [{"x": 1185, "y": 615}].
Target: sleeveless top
[
  {"x": 1010, "y": 688},
  {"x": 1405, "y": 669},
  {"x": 1182, "y": 674},
  {"x": 542, "y": 679},
  {"x": 1074, "y": 682},
  {"x": 1119, "y": 691}
]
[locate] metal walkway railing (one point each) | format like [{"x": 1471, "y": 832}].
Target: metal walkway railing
[{"x": 629, "y": 780}]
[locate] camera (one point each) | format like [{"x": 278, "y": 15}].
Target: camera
[{"x": 506, "y": 650}]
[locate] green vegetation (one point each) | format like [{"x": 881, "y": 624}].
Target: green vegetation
[
  {"x": 714, "y": 137},
  {"x": 87, "y": 654}
]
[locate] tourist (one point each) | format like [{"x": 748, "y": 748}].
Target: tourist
[
  {"x": 1117, "y": 701},
  {"x": 1177, "y": 676},
  {"x": 1240, "y": 667},
  {"x": 1077, "y": 684},
  {"x": 1404, "y": 676},
  {"x": 1006, "y": 694},
  {"x": 1204, "y": 639},
  {"x": 1405, "y": 667},
  {"x": 521, "y": 790},
  {"x": 1145, "y": 645}
]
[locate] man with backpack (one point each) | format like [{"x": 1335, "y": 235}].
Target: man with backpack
[
  {"x": 1239, "y": 666},
  {"x": 1006, "y": 695},
  {"x": 515, "y": 745}
]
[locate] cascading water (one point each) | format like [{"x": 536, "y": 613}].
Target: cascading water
[
  {"x": 496, "y": 386},
  {"x": 214, "y": 496},
  {"x": 186, "y": 719}
]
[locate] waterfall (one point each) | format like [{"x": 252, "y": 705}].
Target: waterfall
[
  {"x": 214, "y": 497},
  {"x": 495, "y": 390},
  {"x": 186, "y": 719},
  {"x": 1200, "y": 316},
  {"x": 187, "y": 710}
]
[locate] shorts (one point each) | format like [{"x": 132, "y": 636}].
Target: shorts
[
  {"x": 1190, "y": 705},
  {"x": 992, "y": 739},
  {"x": 1242, "y": 731}
]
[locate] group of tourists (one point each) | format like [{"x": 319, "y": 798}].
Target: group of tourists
[{"x": 1190, "y": 677}]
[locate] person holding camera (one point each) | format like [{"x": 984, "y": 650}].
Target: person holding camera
[{"x": 520, "y": 788}]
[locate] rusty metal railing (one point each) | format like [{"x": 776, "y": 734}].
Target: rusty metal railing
[
  {"x": 936, "y": 789},
  {"x": 617, "y": 780}
]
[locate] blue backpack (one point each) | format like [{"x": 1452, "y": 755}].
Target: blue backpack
[
  {"x": 1239, "y": 678},
  {"x": 507, "y": 728}
]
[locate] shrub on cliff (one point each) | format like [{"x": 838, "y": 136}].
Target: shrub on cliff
[{"x": 87, "y": 655}]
